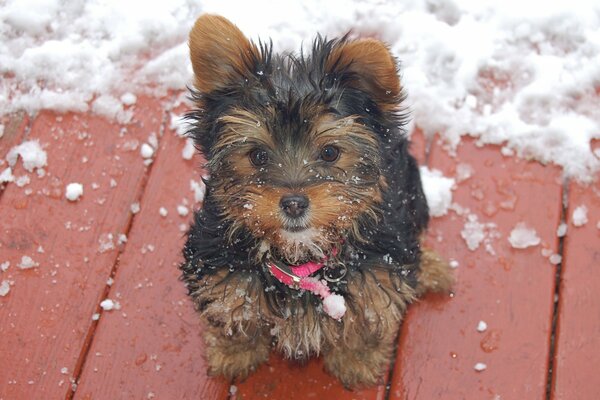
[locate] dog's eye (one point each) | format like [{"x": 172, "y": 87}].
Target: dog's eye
[
  {"x": 330, "y": 153},
  {"x": 258, "y": 157}
]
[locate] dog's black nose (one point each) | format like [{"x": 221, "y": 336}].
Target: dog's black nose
[{"x": 294, "y": 205}]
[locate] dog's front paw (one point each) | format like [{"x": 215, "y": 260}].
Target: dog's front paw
[
  {"x": 234, "y": 357},
  {"x": 356, "y": 368}
]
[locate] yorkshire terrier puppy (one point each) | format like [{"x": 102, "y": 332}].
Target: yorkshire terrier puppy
[{"x": 308, "y": 240}]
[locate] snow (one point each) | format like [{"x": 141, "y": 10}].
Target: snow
[
  {"x": 4, "y": 288},
  {"x": 27, "y": 262},
  {"x": 188, "y": 150},
  {"x": 522, "y": 236},
  {"x": 580, "y": 216},
  {"x": 134, "y": 208},
  {"x": 482, "y": 326},
  {"x": 128, "y": 99},
  {"x": 473, "y": 232},
  {"x": 31, "y": 153},
  {"x": 519, "y": 74},
  {"x": 146, "y": 150},
  {"x": 74, "y": 191},
  {"x": 561, "y": 230},
  {"x": 108, "y": 305},
  {"x": 335, "y": 306},
  {"x": 479, "y": 367},
  {"x": 4, "y": 266},
  {"x": 199, "y": 189},
  {"x": 438, "y": 191},
  {"x": 6, "y": 176},
  {"x": 555, "y": 259},
  {"x": 183, "y": 210}
]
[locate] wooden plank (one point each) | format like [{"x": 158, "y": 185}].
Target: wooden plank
[
  {"x": 280, "y": 379},
  {"x": 13, "y": 130},
  {"x": 47, "y": 314},
  {"x": 152, "y": 347},
  {"x": 511, "y": 290},
  {"x": 577, "y": 358}
]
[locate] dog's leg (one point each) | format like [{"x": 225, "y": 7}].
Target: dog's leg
[
  {"x": 236, "y": 355},
  {"x": 362, "y": 350},
  {"x": 362, "y": 360},
  {"x": 434, "y": 275}
]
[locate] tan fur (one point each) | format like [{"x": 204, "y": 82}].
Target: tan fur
[
  {"x": 371, "y": 60},
  {"x": 217, "y": 48},
  {"x": 435, "y": 274}
]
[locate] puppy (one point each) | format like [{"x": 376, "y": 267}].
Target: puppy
[{"x": 308, "y": 240}]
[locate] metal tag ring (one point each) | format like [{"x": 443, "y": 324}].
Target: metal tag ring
[{"x": 342, "y": 273}]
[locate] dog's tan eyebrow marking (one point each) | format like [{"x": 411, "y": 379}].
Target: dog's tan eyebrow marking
[
  {"x": 331, "y": 129},
  {"x": 242, "y": 126}
]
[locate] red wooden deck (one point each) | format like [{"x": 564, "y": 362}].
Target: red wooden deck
[{"x": 543, "y": 320}]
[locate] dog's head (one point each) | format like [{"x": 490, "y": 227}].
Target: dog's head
[{"x": 294, "y": 143}]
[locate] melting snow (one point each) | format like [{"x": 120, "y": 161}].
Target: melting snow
[
  {"x": 27, "y": 262},
  {"x": 438, "y": 191},
  {"x": 108, "y": 305},
  {"x": 146, "y": 150},
  {"x": 188, "y": 150},
  {"x": 522, "y": 236},
  {"x": 4, "y": 288},
  {"x": 580, "y": 216},
  {"x": 561, "y": 230},
  {"x": 74, "y": 191},
  {"x": 480, "y": 367},
  {"x": 6, "y": 176},
  {"x": 482, "y": 326},
  {"x": 31, "y": 153}
]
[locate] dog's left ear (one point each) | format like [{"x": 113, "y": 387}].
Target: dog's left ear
[
  {"x": 367, "y": 65},
  {"x": 220, "y": 53}
]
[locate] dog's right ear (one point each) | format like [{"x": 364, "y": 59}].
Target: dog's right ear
[{"x": 219, "y": 51}]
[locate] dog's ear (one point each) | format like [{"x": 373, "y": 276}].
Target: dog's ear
[
  {"x": 219, "y": 51},
  {"x": 367, "y": 65}
]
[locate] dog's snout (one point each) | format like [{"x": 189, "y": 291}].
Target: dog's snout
[{"x": 294, "y": 205}]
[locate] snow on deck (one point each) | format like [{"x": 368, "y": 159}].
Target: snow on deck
[{"x": 93, "y": 202}]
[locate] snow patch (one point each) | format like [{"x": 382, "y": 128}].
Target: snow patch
[
  {"x": 27, "y": 262},
  {"x": 31, "y": 153},
  {"x": 108, "y": 305},
  {"x": 74, "y": 191},
  {"x": 479, "y": 367},
  {"x": 580, "y": 216},
  {"x": 4, "y": 288},
  {"x": 6, "y": 176},
  {"x": 482, "y": 326},
  {"x": 522, "y": 237},
  {"x": 521, "y": 75},
  {"x": 438, "y": 191},
  {"x": 188, "y": 150},
  {"x": 146, "y": 151},
  {"x": 561, "y": 230}
]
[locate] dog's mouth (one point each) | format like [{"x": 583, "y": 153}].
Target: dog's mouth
[
  {"x": 295, "y": 225},
  {"x": 295, "y": 229}
]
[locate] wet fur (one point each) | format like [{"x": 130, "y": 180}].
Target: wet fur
[{"x": 369, "y": 203}]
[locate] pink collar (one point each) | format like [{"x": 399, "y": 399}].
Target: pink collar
[{"x": 298, "y": 277}]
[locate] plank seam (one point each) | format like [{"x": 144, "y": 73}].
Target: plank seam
[
  {"x": 89, "y": 338},
  {"x": 557, "y": 283}
]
